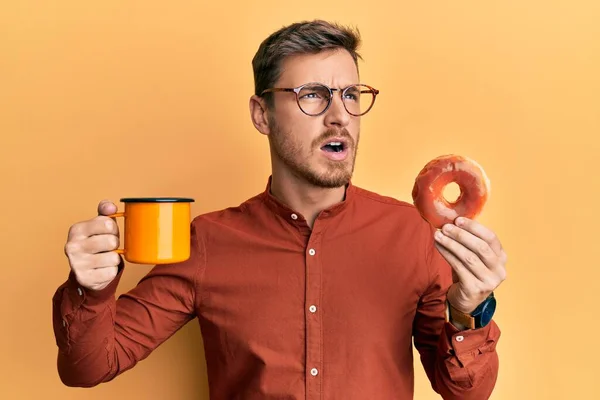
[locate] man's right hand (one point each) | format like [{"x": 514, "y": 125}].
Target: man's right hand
[{"x": 90, "y": 246}]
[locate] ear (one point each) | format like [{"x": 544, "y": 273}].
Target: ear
[{"x": 259, "y": 113}]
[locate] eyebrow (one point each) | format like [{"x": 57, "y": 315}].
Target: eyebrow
[{"x": 333, "y": 87}]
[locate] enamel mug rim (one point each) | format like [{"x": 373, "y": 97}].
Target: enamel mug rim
[{"x": 157, "y": 200}]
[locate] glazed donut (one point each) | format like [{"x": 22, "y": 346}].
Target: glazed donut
[{"x": 429, "y": 186}]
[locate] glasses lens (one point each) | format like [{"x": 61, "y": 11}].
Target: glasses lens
[
  {"x": 313, "y": 99},
  {"x": 358, "y": 99}
]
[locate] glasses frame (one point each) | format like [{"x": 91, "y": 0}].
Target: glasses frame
[{"x": 342, "y": 91}]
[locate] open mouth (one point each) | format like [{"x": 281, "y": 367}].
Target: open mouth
[{"x": 334, "y": 147}]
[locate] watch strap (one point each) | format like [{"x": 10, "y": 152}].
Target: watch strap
[{"x": 460, "y": 317}]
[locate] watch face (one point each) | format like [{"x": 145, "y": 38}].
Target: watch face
[{"x": 488, "y": 311}]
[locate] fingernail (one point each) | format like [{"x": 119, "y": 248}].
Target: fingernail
[
  {"x": 438, "y": 235},
  {"x": 447, "y": 228},
  {"x": 459, "y": 221}
]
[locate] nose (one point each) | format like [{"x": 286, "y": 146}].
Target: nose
[{"x": 337, "y": 115}]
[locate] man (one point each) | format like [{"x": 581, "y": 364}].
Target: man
[{"x": 314, "y": 288}]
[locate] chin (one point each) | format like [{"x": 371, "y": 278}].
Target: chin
[
  {"x": 318, "y": 172},
  {"x": 330, "y": 178}
]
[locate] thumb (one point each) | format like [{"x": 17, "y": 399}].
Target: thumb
[{"x": 106, "y": 207}]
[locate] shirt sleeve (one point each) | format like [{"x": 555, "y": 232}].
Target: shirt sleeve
[
  {"x": 459, "y": 364},
  {"x": 100, "y": 337}
]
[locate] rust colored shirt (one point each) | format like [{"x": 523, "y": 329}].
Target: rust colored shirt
[{"x": 289, "y": 312}]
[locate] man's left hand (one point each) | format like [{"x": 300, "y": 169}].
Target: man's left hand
[{"x": 478, "y": 261}]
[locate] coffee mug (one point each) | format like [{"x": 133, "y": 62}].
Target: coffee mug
[{"x": 157, "y": 229}]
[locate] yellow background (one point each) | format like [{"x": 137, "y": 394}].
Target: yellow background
[{"x": 109, "y": 99}]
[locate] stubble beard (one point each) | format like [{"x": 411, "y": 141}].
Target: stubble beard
[{"x": 337, "y": 173}]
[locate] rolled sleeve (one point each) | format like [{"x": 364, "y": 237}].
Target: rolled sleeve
[{"x": 467, "y": 352}]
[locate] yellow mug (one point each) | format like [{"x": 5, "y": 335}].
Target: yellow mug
[{"x": 157, "y": 229}]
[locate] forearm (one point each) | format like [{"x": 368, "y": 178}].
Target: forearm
[
  {"x": 83, "y": 322},
  {"x": 100, "y": 337}
]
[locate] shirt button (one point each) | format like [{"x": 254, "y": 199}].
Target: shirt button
[
  {"x": 460, "y": 338},
  {"x": 313, "y": 309},
  {"x": 80, "y": 291},
  {"x": 312, "y": 252},
  {"x": 64, "y": 323},
  {"x": 314, "y": 372},
  {"x": 294, "y": 216}
]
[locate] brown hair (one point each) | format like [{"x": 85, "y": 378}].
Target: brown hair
[{"x": 307, "y": 37}]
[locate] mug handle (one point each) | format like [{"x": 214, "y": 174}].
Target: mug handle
[{"x": 119, "y": 214}]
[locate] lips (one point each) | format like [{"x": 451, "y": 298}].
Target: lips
[{"x": 335, "y": 148}]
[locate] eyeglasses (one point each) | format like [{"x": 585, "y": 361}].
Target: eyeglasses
[{"x": 315, "y": 98}]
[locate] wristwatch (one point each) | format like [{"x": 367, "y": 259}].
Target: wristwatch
[{"x": 479, "y": 318}]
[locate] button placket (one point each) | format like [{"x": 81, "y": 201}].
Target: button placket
[{"x": 313, "y": 318}]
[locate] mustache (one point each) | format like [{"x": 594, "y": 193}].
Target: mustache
[{"x": 334, "y": 133}]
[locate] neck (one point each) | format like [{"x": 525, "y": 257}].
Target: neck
[{"x": 309, "y": 200}]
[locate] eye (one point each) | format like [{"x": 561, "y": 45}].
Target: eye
[
  {"x": 314, "y": 92},
  {"x": 310, "y": 95},
  {"x": 352, "y": 94}
]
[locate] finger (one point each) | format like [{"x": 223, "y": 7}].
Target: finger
[
  {"x": 97, "y": 226},
  {"x": 459, "y": 272},
  {"x": 100, "y": 276},
  {"x": 451, "y": 260},
  {"x": 473, "y": 243},
  {"x": 100, "y": 243},
  {"x": 482, "y": 232},
  {"x": 111, "y": 224},
  {"x": 106, "y": 207},
  {"x": 466, "y": 257},
  {"x": 104, "y": 260}
]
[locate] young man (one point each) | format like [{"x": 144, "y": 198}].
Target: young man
[{"x": 314, "y": 288}]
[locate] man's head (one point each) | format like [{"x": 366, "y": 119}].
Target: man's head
[{"x": 300, "y": 124}]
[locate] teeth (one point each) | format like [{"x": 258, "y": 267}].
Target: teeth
[{"x": 334, "y": 143}]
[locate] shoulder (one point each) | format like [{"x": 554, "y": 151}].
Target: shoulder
[
  {"x": 371, "y": 200},
  {"x": 232, "y": 215},
  {"x": 400, "y": 216}
]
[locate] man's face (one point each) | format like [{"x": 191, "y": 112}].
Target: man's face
[{"x": 299, "y": 141}]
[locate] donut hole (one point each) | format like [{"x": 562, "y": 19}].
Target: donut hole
[{"x": 451, "y": 192}]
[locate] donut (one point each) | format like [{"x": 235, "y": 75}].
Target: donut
[{"x": 429, "y": 187}]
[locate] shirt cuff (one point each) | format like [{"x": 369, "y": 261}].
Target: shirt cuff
[
  {"x": 467, "y": 344},
  {"x": 79, "y": 295}
]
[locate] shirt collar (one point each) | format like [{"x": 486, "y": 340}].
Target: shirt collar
[{"x": 296, "y": 218}]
